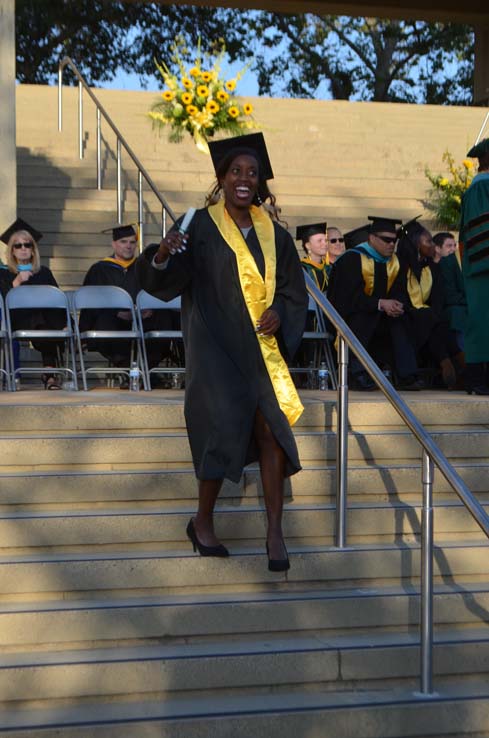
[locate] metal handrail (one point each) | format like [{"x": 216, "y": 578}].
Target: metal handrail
[
  {"x": 486, "y": 119},
  {"x": 121, "y": 143},
  {"x": 431, "y": 456}
]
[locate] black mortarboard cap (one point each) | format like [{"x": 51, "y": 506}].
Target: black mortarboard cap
[
  {"x": 379, "y": 223},
  {"x": 304, "y": 232},
  {"x": 479, "y": 149},
  {"x": 20, "y": 225},
  {"x": 122, "y": 231},
  {"x": 410, "y": 228},
  {"x": 252, "y": 143},
  {"x": 356, "y": 236}
]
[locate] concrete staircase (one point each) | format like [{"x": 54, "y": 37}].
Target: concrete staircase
[
  {"x": 111, "y": 626},
  {"x": 333, "y": 160}
]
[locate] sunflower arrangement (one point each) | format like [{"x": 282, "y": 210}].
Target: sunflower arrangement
[
  {"x": 446, "y": 192},
  {"x": 198, "y": 100}
]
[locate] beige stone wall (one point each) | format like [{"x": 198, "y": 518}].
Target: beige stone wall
[{"x": 8, "y": 183}]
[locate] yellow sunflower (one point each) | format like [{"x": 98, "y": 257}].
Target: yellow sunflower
[
  {"x": 222, "y": 96},
  {"x": 206, "y": 76},
  {"x": 191, "y": 110},
  {"x": 187, "y": 83},
  {"x": 167, "y": 95},
  {"x": 194, "y": 72},
  {"x": 202, "y": 91},
  {"x": 247, "y": 108},
  {"x": 187, "y": 98},
  {"x": 231, "y": 85},
  {"x": 212, "y": 106},
  {"x": 233, "y": 111}
]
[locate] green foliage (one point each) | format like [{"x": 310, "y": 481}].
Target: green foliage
[{"x": 445, "y": 196}]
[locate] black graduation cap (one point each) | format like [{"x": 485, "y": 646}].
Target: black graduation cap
[
  {"x": 20, "y": 225},
  {"x": 356, "y": 236},
  {"x": 252, "y": 143},
  {"x": 410, "y": 228},
  {"x": 379, "y": 223},
  {"x": 304, "y": 232},
  {"x": 122, "y": 231},
  {"x": 479, "y": 149}
]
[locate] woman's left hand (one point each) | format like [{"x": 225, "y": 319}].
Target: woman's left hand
[{"x": 269, "y": 323}]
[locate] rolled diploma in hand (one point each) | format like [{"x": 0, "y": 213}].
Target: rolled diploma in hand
[{"x": 186, "y": 221}]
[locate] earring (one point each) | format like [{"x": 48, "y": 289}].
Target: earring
[{"x": 258, "y": 199}]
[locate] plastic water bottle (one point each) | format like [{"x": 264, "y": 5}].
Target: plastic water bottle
[
  {"x": 134, "y": 376},
  {"x": 323, "y": 376}
]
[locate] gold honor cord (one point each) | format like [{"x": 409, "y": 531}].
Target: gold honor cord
[
  {"x": 419, "y": 292},
  {"x": 368, "y": 273},
  {"x": 258, "y": 295}
]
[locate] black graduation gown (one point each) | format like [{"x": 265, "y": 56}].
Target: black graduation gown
[
  {"x": 346, "y": 292},
  {"x": 226, "y": 378},
  {"x": 36, "y": 320}
]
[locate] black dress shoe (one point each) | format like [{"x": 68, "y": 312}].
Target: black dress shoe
[
  {"x": 410, "y": 384},
  {"x": 278, "y": 564},
  {"x": 219, "y": 550},
  {"x": 362, "y": 382},
  {"x": 478, "y": 389}
]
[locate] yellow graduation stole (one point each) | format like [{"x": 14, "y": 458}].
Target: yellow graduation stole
[
  {"x": 125, "y": 263},
  {"x": 368, "y": 273},
  {"x": 419, "y": 291},
  {"x": 258, "y": 295}
]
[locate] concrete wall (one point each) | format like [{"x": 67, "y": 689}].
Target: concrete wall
[{"x": 8, "y": 172}]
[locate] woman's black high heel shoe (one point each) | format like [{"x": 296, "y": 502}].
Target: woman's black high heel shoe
[
  {"x": 219, "y": 550},
  {"x": 278, "y": 564},
  {"x": 478, "y": 389}
]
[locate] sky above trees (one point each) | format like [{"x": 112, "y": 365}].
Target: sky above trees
[{"x": 306, "y": 55}]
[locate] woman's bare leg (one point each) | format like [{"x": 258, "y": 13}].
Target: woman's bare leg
[
  {"x": 272, "y": 467},
  {"x": 204, "y": 520}
]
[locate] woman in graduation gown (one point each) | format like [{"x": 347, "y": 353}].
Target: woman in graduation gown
[
  {"x": 24, "y": 268},
  {"x": 315, "y": 245},
  {"x": 244, "y": 306},
  {"x": 426, "y": 301}
]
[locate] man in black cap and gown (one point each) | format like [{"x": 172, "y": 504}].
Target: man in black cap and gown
[
  {"x": 367, "y": 287},
  {"x": 119, "y": 270}
]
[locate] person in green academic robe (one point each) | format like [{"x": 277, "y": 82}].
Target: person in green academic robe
[
  {"x": 244, "y": 306},
  {"x": 474, "y": 237}
]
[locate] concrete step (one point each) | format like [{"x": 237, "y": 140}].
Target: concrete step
[
  {"x": 37, "y": 624},
  {"x": 112, "y": 447},
  {"x": 159, "y": 569},
  {"x": 457, "y": 709},
  {"x": 303, "y": 524},
  {"x": 168, "y": 670}
]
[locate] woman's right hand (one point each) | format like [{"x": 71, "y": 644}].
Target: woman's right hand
[
  {"x": 21, "y": 278},
  {"x": 173, "y": 243}
]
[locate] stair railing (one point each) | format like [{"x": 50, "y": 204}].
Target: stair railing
[
  {"x": 121, "y": 143},
  {"x": 431, "y": 456}
]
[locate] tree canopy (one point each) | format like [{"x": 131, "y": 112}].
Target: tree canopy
[{"x": 307, "y": 55}]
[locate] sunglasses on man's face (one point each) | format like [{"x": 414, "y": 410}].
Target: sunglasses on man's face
[
  {"x": 337, "y": 240},
  {"x": 25, "y": 244},
  {"x": 387, "y": 239}
]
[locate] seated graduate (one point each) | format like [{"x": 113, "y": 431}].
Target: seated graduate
[
  {"x": 426, "y": 301},
  {"x": 244, "y": 306},
  {"x": 336, "y": 246},
  {"x": 314, "y": 243},
  {"x": 367, "y": 287},
  {"x": 24, "y": 268},
  {"x": 119, "y": 270}
]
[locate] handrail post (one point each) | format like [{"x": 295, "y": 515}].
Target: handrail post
[
  {"x": 99, "y": 150},
  {"x": 427, "y": 576},
  {"x": 163, "y": 222},
  {"x": 60, "y": 98},
  {"x": 140, "y": 211},
  {"x": 119, "y": 182},
  {"x": 80, "y": 120},
  {"x": 342, "y": 444}
]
